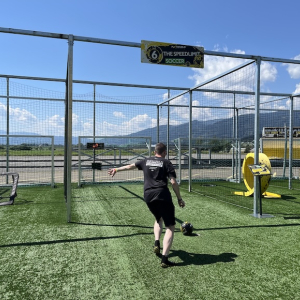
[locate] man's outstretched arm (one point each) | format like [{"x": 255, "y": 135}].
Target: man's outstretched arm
[{"x": 113, "y": 171}]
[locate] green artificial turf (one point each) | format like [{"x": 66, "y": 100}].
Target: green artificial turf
[{"x": 106, "y": 251}]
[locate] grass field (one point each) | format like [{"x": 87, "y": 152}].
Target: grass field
[{"x": 106, "y": 252}]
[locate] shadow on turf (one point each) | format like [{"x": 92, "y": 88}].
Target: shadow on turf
[
  {"x": 17, "y": 201},
  {"x": 196, "y": 229},
  {"x": 191, "y": 258},
  {"x": 132, "y": 193},
  {"x": 201, "y": 259},
  {"x": 38, "y": 243},
  {"x": 20, "y": 201},
  {"x": 250, "y": 226},
  {"x": 122, "y": 225},
  {"x": 292, "y": 218},
  {"x": 288, "y": 198},
  {"x": 72, "y": 240},
  {"x": 112, "y": 225}
]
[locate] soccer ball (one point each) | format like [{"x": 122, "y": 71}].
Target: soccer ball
[{"x": 186, "y": 228}]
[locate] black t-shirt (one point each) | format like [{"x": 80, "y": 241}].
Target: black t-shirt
[{"x": 157, "y": 170}]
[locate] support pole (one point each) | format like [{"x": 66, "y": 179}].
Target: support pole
[
  {"x": 94, "y": 126},
  {"x": 256, "y": 138},
  {"x": 7, "y": 128},
  {"x": 68, "y": 129},
  {"x": 149, "y": 148},
  {"x": 157, "y": 125},
  {"x": 234, "y": 143},
  {"x": 291, "y": 138},
  {"x": 260, "y": 201},
  {"x": 168, "y": 126},
  {"x": 179, "y": 160},
  {"x": 285, "y": 150},
  {"x": 52, "y": 163},
  {"x": 79, "y": 161},
  {"x": 239, "y": 163},
  {"x": 190, "y": 140},
  {"x": 238, "y": 144}
]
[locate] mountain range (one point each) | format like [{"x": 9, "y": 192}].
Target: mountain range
[{"x": 221, "y": 128}]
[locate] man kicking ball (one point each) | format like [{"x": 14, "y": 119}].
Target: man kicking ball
[{"x": 157, "y": 171}]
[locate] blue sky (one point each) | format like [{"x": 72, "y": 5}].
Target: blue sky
[{"x": 265, "y": 28}]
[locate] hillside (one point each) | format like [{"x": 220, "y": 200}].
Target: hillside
[{"x": 222, "y": 128}]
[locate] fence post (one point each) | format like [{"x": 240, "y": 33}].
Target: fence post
[
  {"x": 190, "y": 140},
  {"x": 168, "y": 126},
  {"x": 157, "y": 125},
  {"x": 7, "y": 128},
  {"x": 179, "y": 160},
  {"x": 68, "y": 129},
  {"x": 94, "y": 123},
  {"x": 291, "y": 141},
  {"x": 52, "y": 163},
  {"x": 239, "y": 147},
  {"x": 256, "y": 195},
  {"x": 234, "y": 143}
]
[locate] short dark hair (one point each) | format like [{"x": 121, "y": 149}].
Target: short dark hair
[{"x": 160, "y": 148}]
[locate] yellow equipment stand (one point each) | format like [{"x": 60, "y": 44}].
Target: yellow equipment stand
[{"x": 249, "y": 177}]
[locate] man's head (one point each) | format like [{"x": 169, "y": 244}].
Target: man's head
[{"x": 160, "y": 149}]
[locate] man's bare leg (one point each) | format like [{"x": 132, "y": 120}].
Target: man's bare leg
[
  {"x": 168, "y": 240},
  {"x": 158, "y": 228},
  {"x": 167, "y": 243}
]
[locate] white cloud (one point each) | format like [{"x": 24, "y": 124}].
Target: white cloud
[
  {"x": 53, "y": 125},
  {"x": 75, "y": 119},
  {"x": 87, "y": 127},
  {"x": 241, "y": 80},
  {"x": 3, "y": 107},
  {"x": 267, "y": 72},
  {"x": 181, "y": 114},
  {"x": 297, "y": 90},
  {"x": 137, "y": 123},
  {"x": 202, "y": 114},
  {"x": 22, "y": 115},
  {"x": 216, "y": 65},
  {"x": 109, "y": 129},
  {"x": 165, "y": 96},
  {"x": 119, "y": 114},
  {"x": 293, "y": 69},
  {"x": 24, "y": 121},
  {"x": 164, "y": 121},
  {"x": 56, "y": 119}
]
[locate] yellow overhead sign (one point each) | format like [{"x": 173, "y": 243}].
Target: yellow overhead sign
[{"x": 172, "y": 54}]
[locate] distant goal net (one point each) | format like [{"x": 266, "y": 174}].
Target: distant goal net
[
  {"x": 31, "y": 156},
  {"x": 96, "y": 154}
]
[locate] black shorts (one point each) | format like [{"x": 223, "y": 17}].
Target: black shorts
[
  {"x": 157, "y": 194},
  {"x": 164, "y": 210}
]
